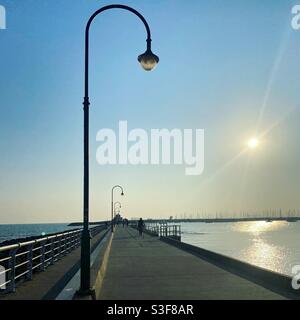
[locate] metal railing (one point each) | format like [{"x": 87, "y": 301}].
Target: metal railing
[
  {"x": 165, "y": 230},
  {"x": 20, "y": 260}
]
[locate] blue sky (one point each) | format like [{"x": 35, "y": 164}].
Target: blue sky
[{"x": 220, "y": 66}]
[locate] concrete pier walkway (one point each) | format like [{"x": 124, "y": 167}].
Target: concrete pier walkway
[{"x": 149, "y": 269}]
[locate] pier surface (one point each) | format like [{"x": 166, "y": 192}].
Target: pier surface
[{"x": 149, "y": 269}]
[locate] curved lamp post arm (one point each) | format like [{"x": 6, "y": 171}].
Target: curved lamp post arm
[
  {"x": 117, "y": 186},
  {"x": 87, "y": 36}
]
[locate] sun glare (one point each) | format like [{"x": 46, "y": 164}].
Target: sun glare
[{"x": 253, "y": 143}]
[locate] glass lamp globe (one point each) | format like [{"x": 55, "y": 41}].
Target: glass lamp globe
[{"x": 148, "y": 60}]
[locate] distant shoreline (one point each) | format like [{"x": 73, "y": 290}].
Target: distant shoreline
[{"x": 221, "y": 220}]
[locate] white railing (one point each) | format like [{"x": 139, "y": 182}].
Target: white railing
[
  {"x": 164, "y": 230},
  {"x": 20, "y": 260}
]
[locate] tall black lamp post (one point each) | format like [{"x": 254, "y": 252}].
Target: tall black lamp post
[{"x": 148, "y": 60}]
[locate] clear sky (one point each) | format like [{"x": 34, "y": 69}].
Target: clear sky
[{"x": 229, "y": 67}]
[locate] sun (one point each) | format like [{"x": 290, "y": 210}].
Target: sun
[{"x": 253, "y": 143}]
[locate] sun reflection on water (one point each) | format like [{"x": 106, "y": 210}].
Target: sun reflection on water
[
  {"x": 271, "y": 245},
  {"x": 265, "y": 255},
  {"x": 260, "y": 252},
  {"x": 258, "y": 227}
]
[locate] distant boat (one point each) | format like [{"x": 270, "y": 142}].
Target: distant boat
[
  {"x": 269, "y": 220},
  {"x": 291, "y": 219}
]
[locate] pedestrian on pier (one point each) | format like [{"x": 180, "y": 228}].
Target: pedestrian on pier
[{"x": 141, "y": 226}]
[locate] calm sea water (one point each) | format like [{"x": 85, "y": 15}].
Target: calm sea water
[
  {"x": 271, "y": 245},
  {"x": 14, "y": 231}
]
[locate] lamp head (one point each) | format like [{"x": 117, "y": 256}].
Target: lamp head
[
  {"x": 148, "y": 59},
  {"x": 122, "y": 194}
]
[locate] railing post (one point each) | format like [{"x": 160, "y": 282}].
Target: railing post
[
  {"x": 12, "y": 267},
  {"x": 30, "y": 262},
  {"x": 63, "y": 246},
  {"x": 3, "y": 278},
  {"x": 71, "y": 238},
  {"x": 42, "y": 253},
  {"x": 79, "y": 238},
  {"x": 71, "y": 242},
  {"x": 59, "y": 246},
  {"x": 76, "y": 239},
  {"x": 67, "y": 243},
  {"x": 52, "y": 250}
]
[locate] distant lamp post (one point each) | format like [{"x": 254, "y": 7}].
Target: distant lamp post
[
  {"x": 148, "y": 61},
  {"x": 112, "y": 204},
  {"x": 117, "y": 207},
  {"x": 117, "y": 203}
]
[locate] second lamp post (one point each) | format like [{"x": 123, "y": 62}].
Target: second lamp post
[
  {"x": 117, "y": 207},
  {"x": 112, "y": 204}
]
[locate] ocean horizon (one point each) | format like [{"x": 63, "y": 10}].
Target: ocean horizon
[{"x": 22, "y": 230}]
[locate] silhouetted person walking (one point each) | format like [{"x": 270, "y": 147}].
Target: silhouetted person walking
[{"x": 141, "y": 227}]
